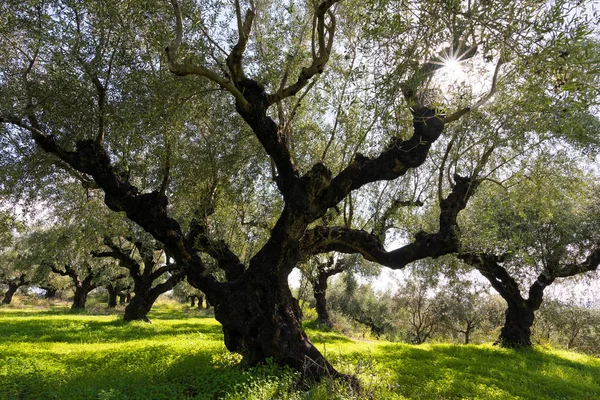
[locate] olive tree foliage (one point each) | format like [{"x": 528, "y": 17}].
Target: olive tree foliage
[
  {"x": 360, "y": 304},
  {"x": 319, "y": 106}
]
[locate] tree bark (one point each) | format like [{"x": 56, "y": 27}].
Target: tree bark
[
  {"x": 520, "y": 312},
  {"x": 8, "y": 296},
  {"x": 138, "y": 308},
  {"x": 80, "y": 298},
  {"x": 319, "y": 283},
  {"x": 320, "y": 293},
  {"x": 261, "y": 319},
  {"x": 113, "y": 291},
  {"x": 13, "y": 286},
  {"x": 516, "y": 331},
  {"x": 145, "y": 295}
]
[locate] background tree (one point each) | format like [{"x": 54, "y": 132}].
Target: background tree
[
  {"x": 418, "y": 310},
  {"x": 467, "y": 308},
  {"x": 359, "y": 303},
  {"x": 150, "y": 268},
  {"x": 183, "y": 291},
  {"x": 541, "y": 228}
]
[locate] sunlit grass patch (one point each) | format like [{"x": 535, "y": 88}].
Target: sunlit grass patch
[{"x": 47, "y": 355}]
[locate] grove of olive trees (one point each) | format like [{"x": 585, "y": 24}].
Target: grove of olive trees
[{"x": 246, "y": 137}]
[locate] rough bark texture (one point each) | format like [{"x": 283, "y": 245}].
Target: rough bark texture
[
  {"x": 80, "y": 297},
  {"x": 261, "y": 320},
  {"x": 518, "y": 320}
]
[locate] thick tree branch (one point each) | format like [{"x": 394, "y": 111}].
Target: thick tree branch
[
  {"x": 590, "y": 264},
  {"x": 149, "y": 210},
  {"x": 86, "y": 182},
  {"x": 445, "y": 241},
  {"x": 489, "y": 266},
  {"x": 395, "y": 161},
  {"x": 117, "y": 253},
  {"x": 166, "y": 285},
  {"x": 218, "y": 250}
]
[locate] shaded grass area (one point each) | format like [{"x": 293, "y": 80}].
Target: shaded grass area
[{"x": 57, "y": 355}]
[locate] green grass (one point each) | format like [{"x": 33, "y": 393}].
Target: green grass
[{"x": 58, "y": 355}]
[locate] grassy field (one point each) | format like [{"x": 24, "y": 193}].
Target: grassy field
[{"x": 52, "y": 354}]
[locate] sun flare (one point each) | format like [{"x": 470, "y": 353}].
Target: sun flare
[{"x": 452, "y": 66}]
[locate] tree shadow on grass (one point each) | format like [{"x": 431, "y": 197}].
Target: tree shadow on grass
[
  {"x": 155, "y": 372},
  {"x": 84, "y": 330},
  {"x": 447, "y": 371}
]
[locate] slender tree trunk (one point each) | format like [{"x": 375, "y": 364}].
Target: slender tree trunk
[
  {"x": 122, "y": 298},
  {"x": 200, "y": 301},
  {"x": 192, "y": 301},
  {"x": 8, "y": 296},
  {"x": 113, "y": 291},
  {"x": 320, "y": 293}
]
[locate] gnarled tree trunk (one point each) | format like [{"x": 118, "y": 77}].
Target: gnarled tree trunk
[
  {"x": 268, "y": 325},
  {"x": 13, "y": 285},
  {"x": 518, "y": 321},
  {"x": 8, "y": 296},
  {"x": 139, "y": 307},
  {"x": 81, "y": 295}
]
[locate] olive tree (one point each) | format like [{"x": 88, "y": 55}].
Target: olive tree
[{"x": 526, "y": 235}]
